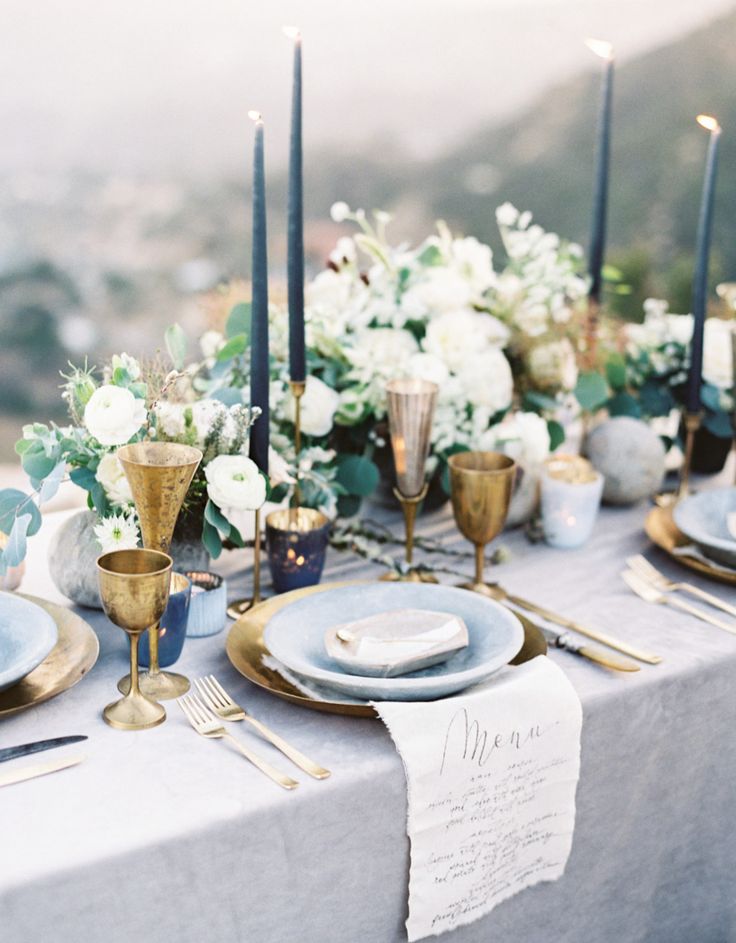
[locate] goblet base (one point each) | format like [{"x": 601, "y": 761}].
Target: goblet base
[
  {"x": 134, "y": 712},
  {"x": 163, "y": 686},
  {"x": 413, "y": 576},
  {"x": 483, "y": 589},
  {"x": 239, "y": 608}
]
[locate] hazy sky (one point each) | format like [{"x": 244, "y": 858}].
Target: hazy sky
[{"x": 115, "y": 84}]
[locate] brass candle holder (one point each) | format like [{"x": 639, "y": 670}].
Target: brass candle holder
[
  {"x": 134, "y": 588},
  {"x": 664, "y": 499},
  {"x": 159, "y": 474},
  {"x": 297, "y": 391},
  {"x": 238, "y": 608},
  {"x": 411, "y": 405}
]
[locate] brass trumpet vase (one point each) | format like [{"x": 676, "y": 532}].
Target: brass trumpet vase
[
  {"x": 159, "y": 474},
  {"x": 134, "y": 588},
  {"x": 481, "y": 484},
  {"x": 411, "y": 405}
]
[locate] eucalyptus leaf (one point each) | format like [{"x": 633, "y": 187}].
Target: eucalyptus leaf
[
  {"x": 556, "y": 434},
  {"x": 239, "y": 319},
  {"x": 37, "y": 464},
  {"x": 719, "y": 424},
  {"x": 624, "y": 404},
  {"x": 211, "y": 540},
  {"x": 591, "y": 391},
  {"x": 176, "y": 345},
  {"x": 539, "y": 402},
  {"x": 710, "y": 396},
  {"x": 15, "y": 549},
  {"x": 616, "y": 372},
  {"x": 50, "y": 484},
  {"x": 229, "y": 396},
  {"x": 13, "y": 503},
  {"x": 214, "y": 516},
  {"x": 236, "y": 346},
  {"x": 358, "y": 475}
]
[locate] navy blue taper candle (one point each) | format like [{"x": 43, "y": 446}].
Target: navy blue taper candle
[
  {"x": 600, "y": 197},
  {"x": 295, "y": 248},
  {"x": 259, "y": 365},
  {"x": 700, "y": 277}
]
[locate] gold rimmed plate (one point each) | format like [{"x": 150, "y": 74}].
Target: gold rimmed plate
[
  {"x": 74, "y": 654},
  {"x": 246, "y": 650},
  {"x": 661, "y": 529}
]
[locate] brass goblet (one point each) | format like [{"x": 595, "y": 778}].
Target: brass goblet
[
  {"x": 134, "y": 587},
  {"x": 159, "y": 474},
  {"x": 480, "y": 485},
  {"x": 411, "y": 406}
]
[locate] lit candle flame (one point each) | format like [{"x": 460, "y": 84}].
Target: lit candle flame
[
  {"x": 600, "y": 47},
  {"x": 293, "y": 32},
  {"x": 255, "y": 116},
  {"x": 708, "y": 122}
]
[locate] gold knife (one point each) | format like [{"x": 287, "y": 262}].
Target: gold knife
[
  {"x": 608, "y": 640},
  {"x": 39, "y": 769},
  {"x": 566, "y": 643}
]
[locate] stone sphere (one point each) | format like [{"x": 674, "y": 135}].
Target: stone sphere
[
  {"x": 630, "y": 456},
  {"x": 73, "y": 553}
]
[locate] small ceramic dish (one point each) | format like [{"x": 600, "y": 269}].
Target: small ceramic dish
[
  {"x": 27, "y": 635},
  {"x": 703, "y": 518}
]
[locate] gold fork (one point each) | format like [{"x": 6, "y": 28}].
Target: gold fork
[
  {"x": 649, "y": 593},
  {"x": 219, "y": 701},
  {"x": 207, "y": 725},
  {"x": 640, "y": 565}
]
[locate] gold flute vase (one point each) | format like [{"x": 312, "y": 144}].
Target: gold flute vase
[
  {"x": 134, "y": 588},
  {"x": 411, "y": 405},
  {"x": 481, "y": 484},
  {"x": 159, "y": 474}
]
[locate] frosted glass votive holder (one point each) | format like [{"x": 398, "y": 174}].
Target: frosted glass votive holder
[{"x": 569, "y": 507}]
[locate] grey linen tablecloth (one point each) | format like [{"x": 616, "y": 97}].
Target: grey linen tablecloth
[{"x": 165, "y": 836}]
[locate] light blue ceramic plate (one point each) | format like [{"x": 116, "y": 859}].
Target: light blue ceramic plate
[
  {"x": 295, "y": 636},
  {"x": 27, "y": 635},
  {"x": 702, "y": 518}
]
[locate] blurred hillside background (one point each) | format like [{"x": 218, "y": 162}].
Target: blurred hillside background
[{"x": 125, "y": 152}]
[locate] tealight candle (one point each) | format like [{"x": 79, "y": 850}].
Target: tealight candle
[{"x": 571, "y": 492}]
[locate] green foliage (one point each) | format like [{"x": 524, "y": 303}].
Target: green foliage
[
  {"x": 237, "y": 345},
  {"x": 176, "y": 345},
  {"x": 591, "y": 391},
  {"x": 616, "y": 372},
  {"x": 358, "y": 475},
  {"x": 239, "y": 319},
  {"x": 556, "y": 434},
  {"x": 14, "y": 503},
  {"x": 624, "y": 404}
]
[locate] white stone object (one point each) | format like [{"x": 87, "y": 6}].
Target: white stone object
[
  {"x": 630, "y": 456},
  {"x": 396, "y": 642}
]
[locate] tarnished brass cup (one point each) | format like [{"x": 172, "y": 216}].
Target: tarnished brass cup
[
  {"x": 134, "y": 588},
  {"x": 411, "y": 405},
  {"x": 159, "y": 474},
  {"x": 481, "y": 484}
]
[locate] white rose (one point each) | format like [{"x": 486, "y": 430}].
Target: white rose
[
  {"x": 234, "y": 483},
  {"x": 487, "y": 381},
  {"x": 552, "y": 366},
  {"x": 111, "y": 476},
  {"x": 458, "y": 335},
  {"x": 717, "y": 353},
  {"x": 113, "y": 415},
  {"x": 318, "y": 407}
]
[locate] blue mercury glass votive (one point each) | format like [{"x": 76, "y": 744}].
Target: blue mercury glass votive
[
  {"x": 172, "y": 627},
  {"x": 296, "y": 540}
]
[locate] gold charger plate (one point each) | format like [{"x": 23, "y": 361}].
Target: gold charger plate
[
  {"x": 67, "y": 663},
  {"x": 245, "y": 649},
  {"x": 661, "y": 529}
]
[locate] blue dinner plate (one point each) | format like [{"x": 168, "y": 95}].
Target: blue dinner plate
[
  {"x": 702, "y": 517},
  {"x": 295, "y": 636},
  {"x": 27, "y": 635}
]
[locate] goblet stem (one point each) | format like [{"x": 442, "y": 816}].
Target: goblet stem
[
  {"x": 153, "y": 665},
  {"x": 257, "y": 560},
  {"x": 134, "y": 690},
  {"x": 410, "y": 514},
  {"x": 479, "y": 562}
]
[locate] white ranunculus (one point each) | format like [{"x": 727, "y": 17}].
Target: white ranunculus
[
  {"x": 318, "y": 407},
  {"x": 717, "y": 353},
  {"x": 487, "y": 380},
  {"x": 456, "y": 336},
  {"x": 111, "y": 476},
  {"x": 428, "y": 367},
  {"x": 234, "y": 483},
  {"x": 522, "y": 436},
  {"x": 440, "y": 289},
  {"x": 553, "y": 367},
  {"x": 113, "y": 415},
  {"x": 474, "y": 260}
]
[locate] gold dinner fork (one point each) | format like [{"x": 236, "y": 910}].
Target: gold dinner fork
[
  {"x": 219, "y": 701},
  {"x": 649, "y": 593},
  {"x": 640, "y": 565},
  {"x": 207, "y": 725}
]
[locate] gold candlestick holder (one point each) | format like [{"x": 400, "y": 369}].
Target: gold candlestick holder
[
  {"x": 297, "y": 391},
  {"x": 159, "y": 474},
  {"x": 411, "y": 406},
  {"x": 238, "y": 608},
  {"x": 665, "y": 499}
]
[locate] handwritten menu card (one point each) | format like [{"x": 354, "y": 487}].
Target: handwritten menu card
[{"x": 491, "y": 780}]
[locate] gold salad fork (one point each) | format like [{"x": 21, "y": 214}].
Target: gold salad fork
[
  {"x": 219, "y": 701},
  {"x": 649, "y": 593},
  {"x": 207, "y": 725},
  {"x": 640, "y": 565}
]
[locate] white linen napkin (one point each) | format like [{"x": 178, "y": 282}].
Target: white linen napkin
[{"x": 491, "y": 779}]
